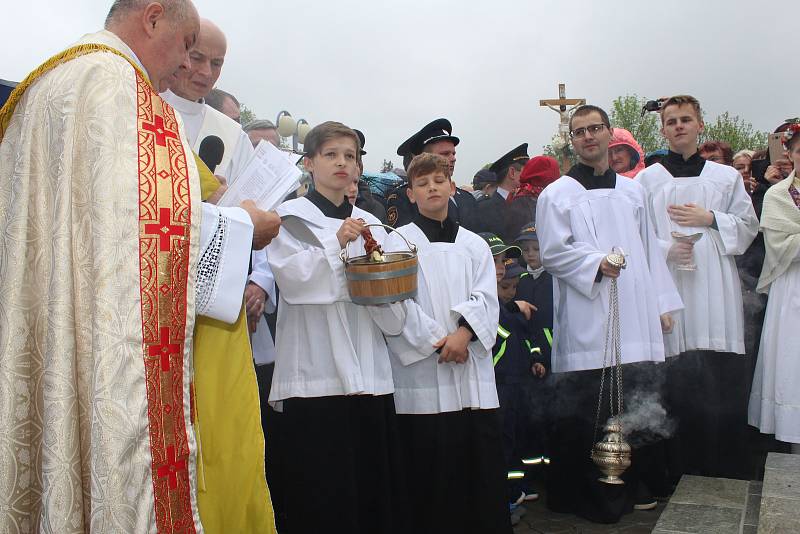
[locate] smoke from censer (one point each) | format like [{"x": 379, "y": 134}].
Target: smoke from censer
[{"x": 644, "y": 419}]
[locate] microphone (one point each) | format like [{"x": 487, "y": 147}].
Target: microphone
[{"x": 211, "y": 150}]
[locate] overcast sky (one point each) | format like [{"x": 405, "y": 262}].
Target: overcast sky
[{"x": 389, "y": 67}]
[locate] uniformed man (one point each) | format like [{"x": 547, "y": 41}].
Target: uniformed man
[
  {"x": 492, "y": 211},
  {"x": 435, "y": 137}
]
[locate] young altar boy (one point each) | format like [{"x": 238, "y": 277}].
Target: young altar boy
[
  {"x": 708, "y": 381},
  {"x": 333, "y": 379},
  {"x": 445, "y": 392}
]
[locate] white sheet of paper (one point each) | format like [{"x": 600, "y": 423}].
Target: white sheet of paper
[
  {"x": 294, "y": 158},
  {"x": 266, "y": 180}
]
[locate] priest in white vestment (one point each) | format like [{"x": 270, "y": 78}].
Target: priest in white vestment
[
  {"x": 580, "y": 219},
  {"x": 708, "y": 382},
  {"x": 108, "y": 254}
]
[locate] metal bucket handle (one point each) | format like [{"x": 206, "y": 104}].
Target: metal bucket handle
[{"x": 344, "y": 255}]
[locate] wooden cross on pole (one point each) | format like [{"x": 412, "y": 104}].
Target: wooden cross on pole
[{"x": 559, "y": 105}]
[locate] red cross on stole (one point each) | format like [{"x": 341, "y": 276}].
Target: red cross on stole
[
  {"x": 165, "y": 349},
  {"x": 161, "y": 133},
  {"x": 164, "y": 229},
  {"x": 171, "y": 467}
]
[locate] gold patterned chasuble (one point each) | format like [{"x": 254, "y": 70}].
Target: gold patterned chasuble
[{"x": 99, "y": 223}]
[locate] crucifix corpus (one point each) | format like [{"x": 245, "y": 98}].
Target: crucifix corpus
[{"x": 559, "y": 105}]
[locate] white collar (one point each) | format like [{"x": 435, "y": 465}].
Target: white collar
[
  {"x": 503, "y": 193},
  {"x": 536, "y": 273},
  {"x": 183, "y": 105}
]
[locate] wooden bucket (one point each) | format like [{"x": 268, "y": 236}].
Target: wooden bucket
[{"x": 393, "y": 280}]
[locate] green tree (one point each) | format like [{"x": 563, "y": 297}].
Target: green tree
[
  {"x": 738, "y": 133},
  {"x": 626, "y": 112},
  {"x": 247, "y": 115}
]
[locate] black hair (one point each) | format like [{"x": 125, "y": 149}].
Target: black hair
[{"x": 585, "y": 110}]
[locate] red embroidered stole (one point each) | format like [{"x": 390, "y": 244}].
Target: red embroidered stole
[{"x": 164, "y": 225}]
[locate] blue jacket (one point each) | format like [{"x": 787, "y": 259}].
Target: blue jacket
[
  {"x": 517, "y": 347},
  {"x": 539, "y": 292}
]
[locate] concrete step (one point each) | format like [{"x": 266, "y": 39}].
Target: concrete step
[
  {"x": 780, "y": 495},
  {"x": 702, "y": 505}
]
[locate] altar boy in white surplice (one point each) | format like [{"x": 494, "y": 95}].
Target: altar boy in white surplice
[
  {"x": 333, "y": 380},
  {"x": 707, "y": 382},
  {"x": 580, "y": 218},
  {"x": 445, "y": 390}
]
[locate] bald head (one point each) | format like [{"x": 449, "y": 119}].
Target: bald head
[
  {"x": 180, "y": 10},
  {"x": 212, "y": 35},
  {"x": 207, "y": 57},
  {"x": 160, "y": 33}
]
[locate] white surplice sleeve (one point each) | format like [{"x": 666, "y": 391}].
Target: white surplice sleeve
[
  {"x": 390, "y": 318},
  {"x": 482, "y": 310},
  {"x": 737, "y": 226},
  {"x": 226, "y": 237},
  {"x": 261, "y": 340},
  {"x": 308, "y": 274},
  {"x": 420, "y": 333},
  {"x": 571, "y": 261},
  {"x": 649, "y": 180},
  {"x": 262, "y": 276},
  {"x": 669, "y": 300}
]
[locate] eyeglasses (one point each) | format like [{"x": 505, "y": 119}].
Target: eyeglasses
[{"x": 594, "y": 129}]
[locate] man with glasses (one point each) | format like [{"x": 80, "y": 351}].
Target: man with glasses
[{"x": 581, "y": 218}]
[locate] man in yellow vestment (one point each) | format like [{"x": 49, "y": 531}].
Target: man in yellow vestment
[{"x": 107, "y": 255}]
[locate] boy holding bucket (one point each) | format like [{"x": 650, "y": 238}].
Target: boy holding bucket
[
  {"x": 445, "y": 392},
  {"x": 332, "y": 380}
]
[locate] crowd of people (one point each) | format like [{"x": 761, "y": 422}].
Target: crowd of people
[{"x": 171, "y": 364}]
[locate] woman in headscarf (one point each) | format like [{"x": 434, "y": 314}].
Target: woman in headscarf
[
  {"x": 538, "y": 173},
  {"x": 625, "y": 155}
]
